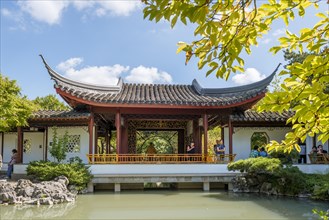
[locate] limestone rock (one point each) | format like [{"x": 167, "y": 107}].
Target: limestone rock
[{"x": 45, "y": 193}]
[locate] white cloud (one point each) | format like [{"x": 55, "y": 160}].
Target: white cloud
[
  {"x": 69, "y": 64},
  {"x": 251, "y": 75},
  {"x": 279, "y": 32},
  {"x": 99, "y": 75},
  {"x": 17, "y": 17},
  {"x": 5, "y": 12},
  {"x": 148, "y": 75},
  {"x": 51, "y": 12},
  {"x": 109, "y": 75},
  {"x": 44, "y": 11},
  {"x": 81, "y": 5},
  {"x": 117, "y": 8},
  {"x": 265, "y": 41}
]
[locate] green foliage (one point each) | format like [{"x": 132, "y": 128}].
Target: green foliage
[
  {"x": 228, "y": 28},
  {"x": 284, "y": 156},
  {"x": 14, "y": 108},
  {"x": 76, "y": 172},
  {"x": 165, "y": 142},
  {"x": 50, "y": 102},
  {"x": 289, "y": 180},
  {"x": 213, "y": 135},
  {"x": 322, "y": 214},
  {"x": 259, "y": 165},
  {"x": 58, "y": 149},
  {"x": 259, "y": 139},
  {"x": 293, "y": 181}
]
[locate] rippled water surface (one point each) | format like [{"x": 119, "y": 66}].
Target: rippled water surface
[{"x": 170, "y": 205}]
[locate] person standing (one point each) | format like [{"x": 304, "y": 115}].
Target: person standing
[
  {"x": 191, "y": 148},
  {"x": 219, "y": 149},
  {"x": 11, "y": 163}
]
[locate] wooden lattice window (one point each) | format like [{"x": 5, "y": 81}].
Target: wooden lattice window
[
  {"x": 73, "y": 145},
  {"x": 27, "y": 146}
]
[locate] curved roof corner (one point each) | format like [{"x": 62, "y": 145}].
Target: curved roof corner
[
  {"x": 59, "y": 79},
  {"x": 226, "y": 91}
]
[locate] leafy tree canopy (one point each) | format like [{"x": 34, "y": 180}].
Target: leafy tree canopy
[
  {"x": 226, "y": 28},
  {"x": 15, "y": 109},
  {"x": 50, "y": 102}
]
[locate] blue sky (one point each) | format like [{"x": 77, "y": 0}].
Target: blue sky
[{"x": 99, "y": 41}]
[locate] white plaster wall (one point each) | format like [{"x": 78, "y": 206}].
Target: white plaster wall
[
  {"x": 159, "y": 169},
  {"x": 84, "y": 141},
  {"x": 37, "y": 146},
  {"x": 10, "y": 143},
  {"x": 165, "y": 169},
  {"x": 242, "y": 136}
]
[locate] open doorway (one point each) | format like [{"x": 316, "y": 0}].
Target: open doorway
[{"x": 164, "y": 141}]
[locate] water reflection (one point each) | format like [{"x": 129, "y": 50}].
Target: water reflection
[
  {"x": 35, "y": 212},
  {"x": 170, "y": 205}
]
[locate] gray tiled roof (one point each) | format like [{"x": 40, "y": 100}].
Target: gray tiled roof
[
  {"x": 59, "y": 115},
  {"x": 252, "y": 115},
  {"x": 191, "y": 95}
]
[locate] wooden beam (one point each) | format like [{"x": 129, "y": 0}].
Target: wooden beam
[
  {"x": 197, "y": 137},
  {"x": 91, "y": 132},
  {"x": 230, "y": 136},
  {"x": 205, "y": 132},
  {"x": 20, "y": 144},
  {"x": 96, "y": 141},
  {"x": 118, "y": 128},
  {"x": 107, "y": 141}
]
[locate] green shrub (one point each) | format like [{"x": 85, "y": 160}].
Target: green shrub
[
  {"x": 283, "y": 156},
  {"x": 58, "y": 149},
  {"x": 259, "y": 165},
  {"x": 289, "y": 180},
  {"x": 294, "y": 181},
  {"x": 76, "y": 172}
]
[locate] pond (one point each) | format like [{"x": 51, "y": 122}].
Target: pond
[{"x": 170, "y": 205}]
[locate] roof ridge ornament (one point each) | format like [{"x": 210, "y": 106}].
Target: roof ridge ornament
[
  {"x": 59, "y": 78},
  {"x": 225, "y": 91}
]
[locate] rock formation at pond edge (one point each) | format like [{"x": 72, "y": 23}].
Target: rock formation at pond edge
[{"x": 45, "y": 193}]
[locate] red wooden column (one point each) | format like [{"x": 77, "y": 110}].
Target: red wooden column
[
  {"x": 118, "y": 127},
  {"x": 222, "y": 133},
  {"x": 91, "y": 132},
  {"x": 230, "y": 136},
  {"x": 20, "y": 144},
  {"x": 124, "y": 137},
  {"x": 96, "y": 141},
  {"x": 196, "y": 136},
  {"x": 205, "y": 132}
]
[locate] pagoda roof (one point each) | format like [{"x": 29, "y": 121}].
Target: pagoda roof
[
  {"x": 254, "y": 116},
  {"x": 161, "y": 94},
  {"x": 59, "y": 115},
  {"x": 245, "y": 116}
]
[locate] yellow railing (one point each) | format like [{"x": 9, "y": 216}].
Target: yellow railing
[{"x": 158, "y": 158}]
